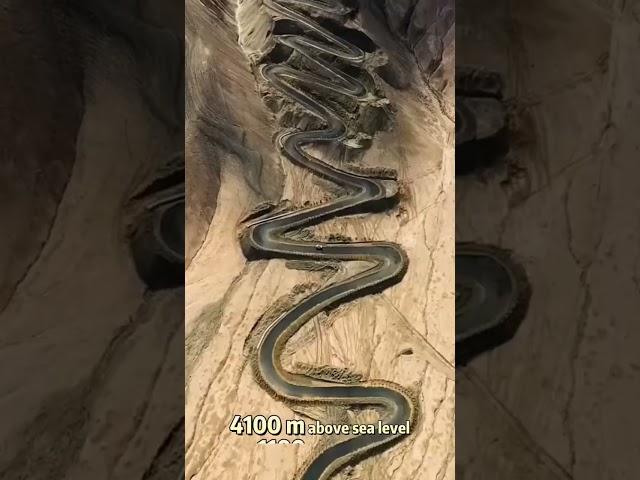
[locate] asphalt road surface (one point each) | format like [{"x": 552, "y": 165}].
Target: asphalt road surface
[{"x": 265, "y": 238}]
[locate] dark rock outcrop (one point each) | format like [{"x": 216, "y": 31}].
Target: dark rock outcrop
[{"x": 426, "y": 28}]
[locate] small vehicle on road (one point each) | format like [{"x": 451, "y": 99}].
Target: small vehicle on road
[{"x": 319, "y": 247}]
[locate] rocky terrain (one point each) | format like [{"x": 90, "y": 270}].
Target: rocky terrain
[
  {"x": 556, "y": 401},
  {"x": 404, "y": 334}
]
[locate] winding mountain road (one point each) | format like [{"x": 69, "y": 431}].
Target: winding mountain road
[{"x": 265, "y": 238}]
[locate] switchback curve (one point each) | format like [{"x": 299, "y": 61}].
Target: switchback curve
[{"x": 265, "y": 238}]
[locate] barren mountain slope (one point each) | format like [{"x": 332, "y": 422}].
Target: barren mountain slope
[{"x": 404, "y": 334}]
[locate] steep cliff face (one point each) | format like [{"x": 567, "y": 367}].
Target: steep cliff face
[{"x": 404, "y": 335}]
